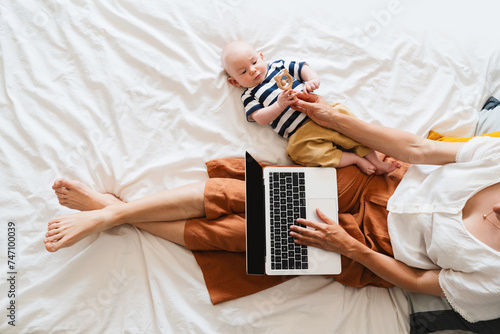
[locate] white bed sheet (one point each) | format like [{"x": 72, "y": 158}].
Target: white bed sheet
[{"x": 129, "y": 97}]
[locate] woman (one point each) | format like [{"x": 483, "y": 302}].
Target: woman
[{"x": 444, "y": 221}]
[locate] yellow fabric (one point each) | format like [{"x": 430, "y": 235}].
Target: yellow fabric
[
  {"x": 436, "y": 136},
  {"x": 313, "y": 145}
]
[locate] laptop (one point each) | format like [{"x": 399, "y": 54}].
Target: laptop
[{"x": 275, "y": 198}]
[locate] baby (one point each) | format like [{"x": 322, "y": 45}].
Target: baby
[{"x": 309, "y": 144}]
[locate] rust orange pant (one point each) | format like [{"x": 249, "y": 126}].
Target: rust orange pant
[{"x": 218, "y": 240}]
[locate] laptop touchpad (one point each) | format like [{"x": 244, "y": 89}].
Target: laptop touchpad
[{"x": 327, "y": 205}]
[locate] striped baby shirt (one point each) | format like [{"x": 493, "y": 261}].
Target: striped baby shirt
[{"x": 267, "y": 93}]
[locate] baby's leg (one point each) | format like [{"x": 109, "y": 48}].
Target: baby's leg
[
  {"x": 348, "y": 159},
  {"x": 382, "y": 166},
  {"x": 308, "y": 147}
]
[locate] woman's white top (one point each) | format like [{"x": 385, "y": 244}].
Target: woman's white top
[{"x": 427, "y": 232}]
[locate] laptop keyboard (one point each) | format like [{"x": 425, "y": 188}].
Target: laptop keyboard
[{"x": 288, "y": 202}]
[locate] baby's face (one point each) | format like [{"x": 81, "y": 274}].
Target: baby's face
[{"x": 246, "y": 67}]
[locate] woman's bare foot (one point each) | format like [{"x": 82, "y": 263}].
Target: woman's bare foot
[
  {"x": 64, "y": 231},
  {"x": 76, "y": 195}
]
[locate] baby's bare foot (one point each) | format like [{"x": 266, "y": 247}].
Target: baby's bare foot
[
  {"x": 366, "y": 166},
  {"x": 387, "y": 167},
  {"x": 382, "y": 167},
  {"x": 76, "y": 195}
]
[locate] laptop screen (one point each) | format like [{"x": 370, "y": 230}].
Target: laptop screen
[{"x": 255, "y": 217}]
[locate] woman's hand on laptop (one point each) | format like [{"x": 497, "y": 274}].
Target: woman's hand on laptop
[
  {"x": 332, "y": 237},
  {"x": 329, "y": 235}
]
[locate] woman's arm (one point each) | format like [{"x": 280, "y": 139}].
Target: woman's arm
[
  {"x": 399, "y": 144},
  {"x": 398, "y": 273},
  {"x": 332, "y": 237}
]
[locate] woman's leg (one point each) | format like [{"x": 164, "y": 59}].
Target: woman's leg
[
  {"x": 162, "y": 214},
  {"x": 172, "y": 231},
  {"x": 76, "y": 195}
]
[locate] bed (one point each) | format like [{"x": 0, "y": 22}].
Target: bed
[{"x": 130, "y": 98}]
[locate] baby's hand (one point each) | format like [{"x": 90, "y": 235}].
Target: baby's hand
[
  {"x": 286, "y": 98},
  {"x": 310, "y": 86}
]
